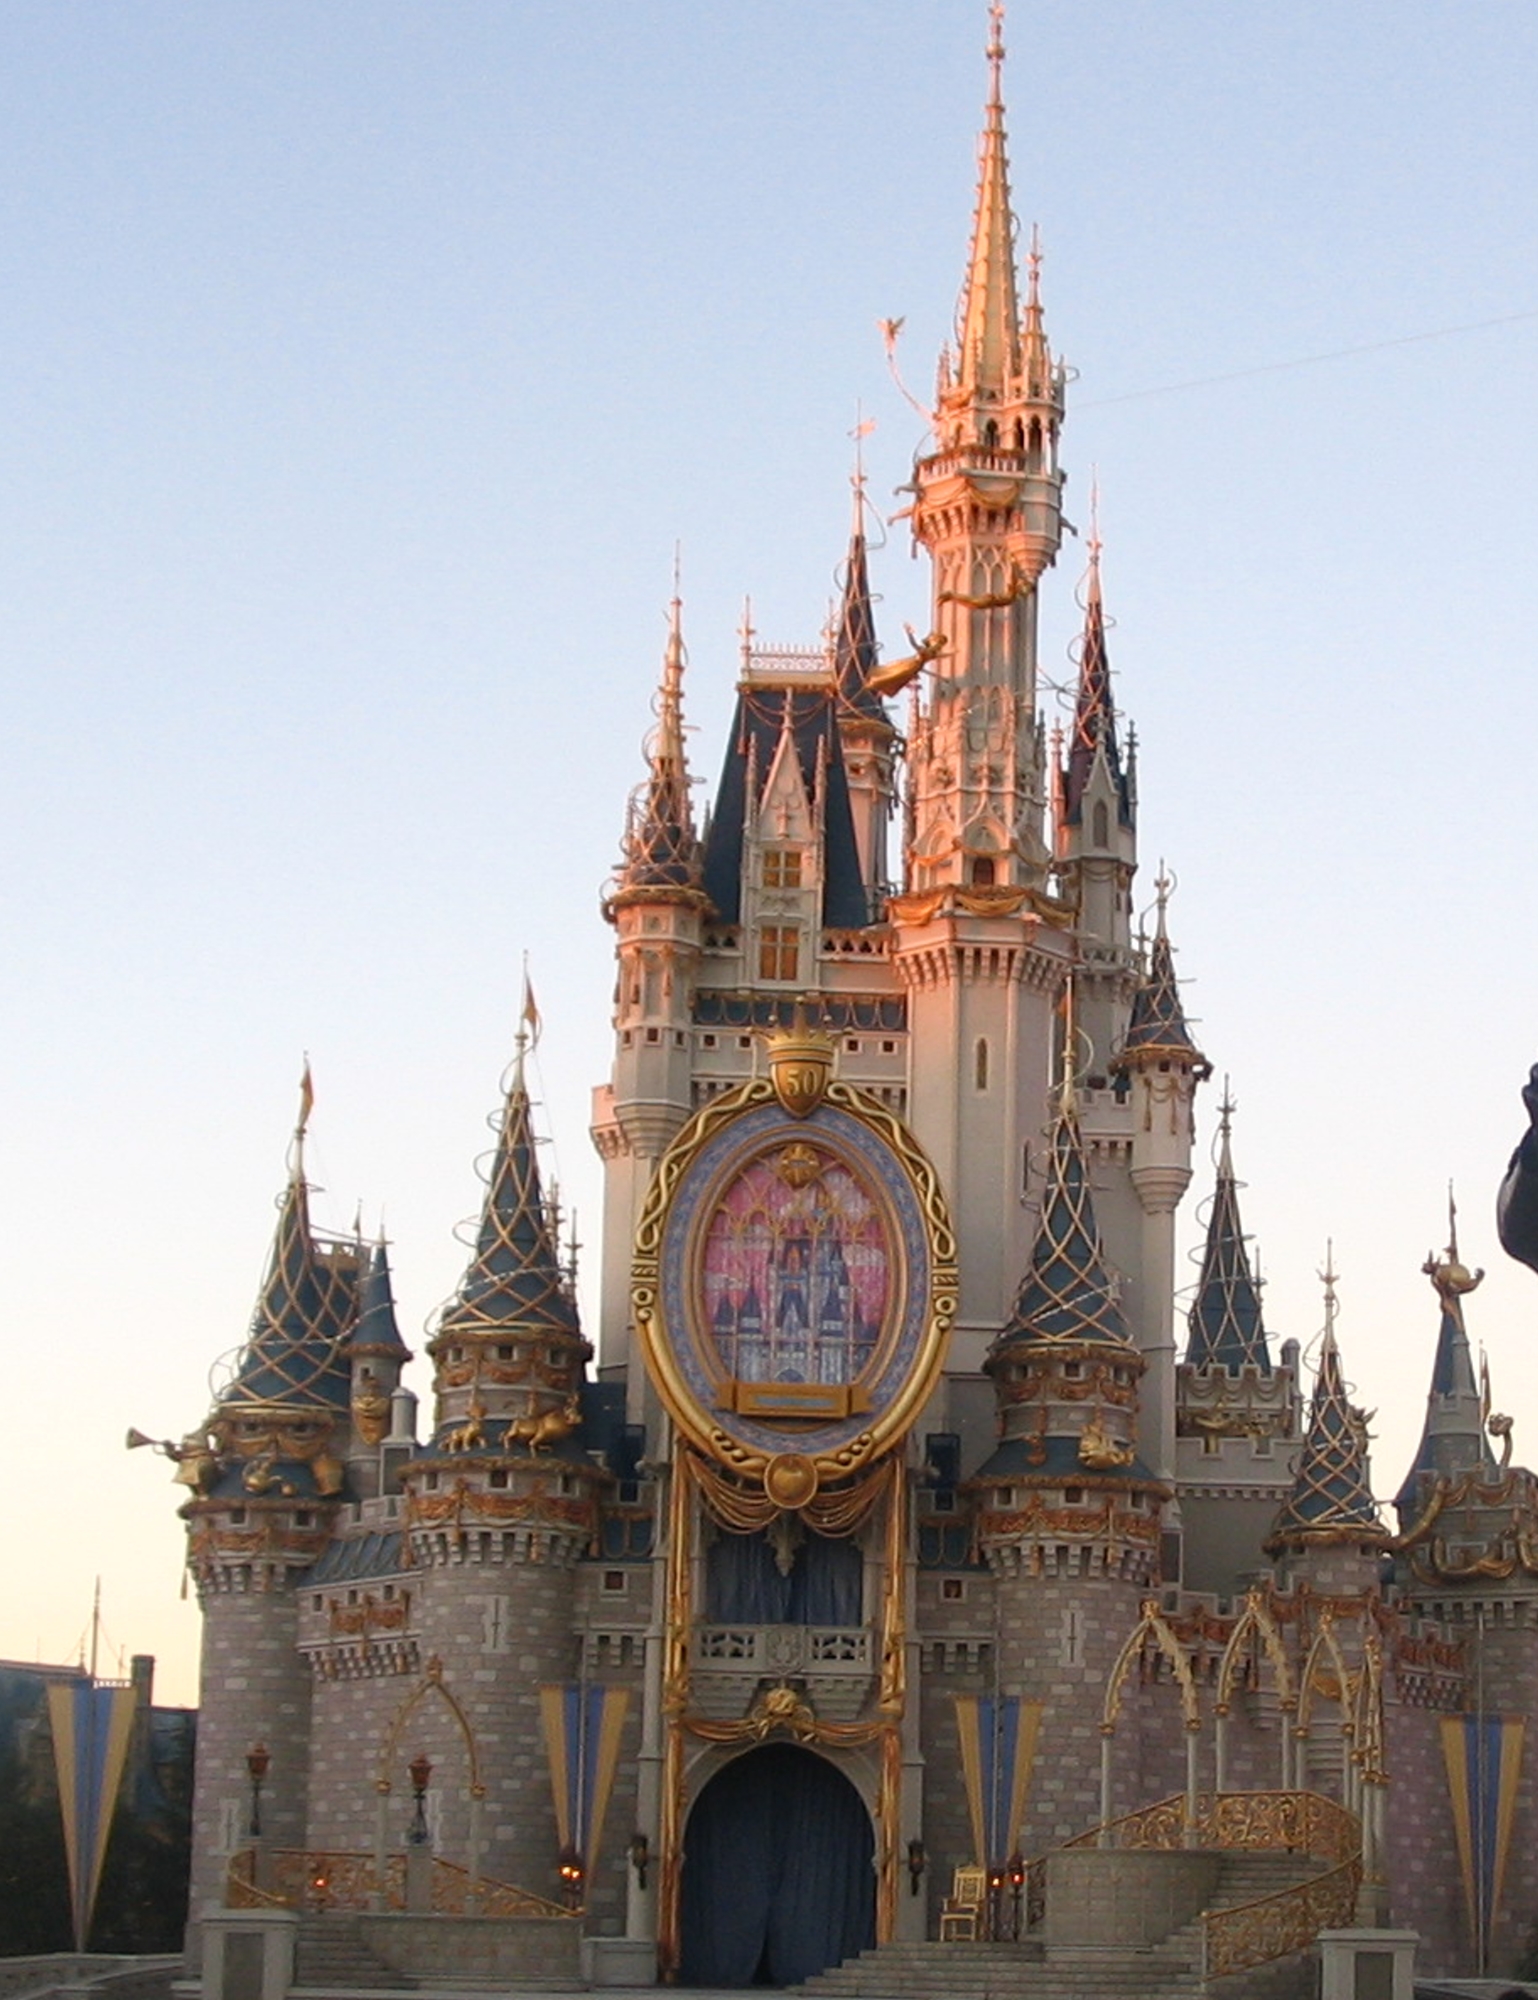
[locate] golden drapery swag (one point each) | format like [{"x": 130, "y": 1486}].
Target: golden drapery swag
[{"x": 837, "y": 1511}]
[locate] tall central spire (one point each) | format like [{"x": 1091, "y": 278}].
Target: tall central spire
[{"x": 989, "y": 332}]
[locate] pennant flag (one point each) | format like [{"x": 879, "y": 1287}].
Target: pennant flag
[
  {"x": 531, "y": 1019},
  {"x": 998, "y": 1750},
  {"x": 91, "y": 1730},
  {"x": 582, "y": 1737},
  {"x": 306, "y": 1098},
  {"x": 1483, "y": 1755}
]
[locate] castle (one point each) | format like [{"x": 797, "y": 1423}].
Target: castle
[{"x": 897, "y": 1525}]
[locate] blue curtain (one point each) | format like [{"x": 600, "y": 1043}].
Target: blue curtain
[
  {"x": 778, "y": 1878},
  {"x": 743, "y": 1584}
]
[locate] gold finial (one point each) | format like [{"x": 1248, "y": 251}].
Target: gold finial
[
  {"x": 996, "y": 53},
  {"x": 1450, "y": 1277},
  {"x": 800, "y": 1064},
  {"x": 1329, "y": 1277},
  {"x": 306, "y": 1106},
  {"x": 1065, "y": 1095},
  {"x": 1164, "y": 887},
  {"x": 1033, "y": 270},
  {"x": 745, "y": 633}
]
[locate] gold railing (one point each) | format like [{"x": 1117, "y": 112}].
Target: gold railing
[
  {"x": 1299, "y": 1822},
  {"x": 1251, "y": 1934},
  {"x": 320, "y": 1880}
]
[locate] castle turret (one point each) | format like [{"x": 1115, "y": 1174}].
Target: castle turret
[
  {"x": 657, "y": 906},
  {"x": 378, "y": 1355},
  {"x": 505, "y": 1493},
  {"x": 980, "y": 938},
  {"x": 1236, "y": 1412},
  {"x": 267, "y": 1472},
  {"x": 1097, "y": 840},
  {"x": 1328, "y": 1532},
  {"x": 865, "y": 730},
  {"x": 1068, "y": 1514},
  {"x": 1160, "y": 1068},
  {"x": 1453, "y": 1440}
]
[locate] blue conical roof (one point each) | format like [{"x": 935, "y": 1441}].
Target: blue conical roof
[
  {"x": 854, "y": 642},
  {"x": 1068, "y": 1293},
  {"x": 514, "y": 1278},
  {"x": 1227, "y": 1330},
  {"x": 1094, "y": 719},
  {"x": 377, "y": 1329},
  {"x": 1331, "y": 1495},
  {"x": 1453, "y": 1439},
  {"x": 294, "y": 1354},
  {"x": 1158, "y": 1020}
]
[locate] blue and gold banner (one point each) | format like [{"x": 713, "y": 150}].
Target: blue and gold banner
[
  {"x": 998, "y": 1749},
  {"x": 92, "y": 1727},
  {"x": 582, "y": 1739},
  {"x": 1484, "y": 1762}
]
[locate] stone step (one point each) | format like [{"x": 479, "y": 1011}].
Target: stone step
[{"x": 330, "y": 1952}]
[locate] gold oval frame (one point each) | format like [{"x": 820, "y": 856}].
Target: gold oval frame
[{"x": 704, "y": 1427}]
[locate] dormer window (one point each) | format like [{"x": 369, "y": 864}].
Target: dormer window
[
  {"x": 782, "y": 869},
  {"x": 779, "y": 952}
]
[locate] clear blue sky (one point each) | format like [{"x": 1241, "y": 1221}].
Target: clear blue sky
[{"x": 363, "y": 363}]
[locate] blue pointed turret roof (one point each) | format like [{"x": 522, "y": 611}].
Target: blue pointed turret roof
[
  {"x": 1068, "y": 1292},
  {"x": 294, "y": 1354},
  {"x": 377, "y": 1331},
  {"x": 1331, "y": 1497},
  {"x": 661, "y": 847},
  {"x": 1158, "y": 1020},
  {"x": 1094, "y": 719},
  {"x": 1453, "y": 1438},
  {"x": 1227, "y": 1330},
  {"x": 514, "y": 1279},
  {"x": 854, "y": 640}
]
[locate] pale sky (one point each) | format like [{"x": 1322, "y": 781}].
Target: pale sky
[{"x": 363, "y": 363}]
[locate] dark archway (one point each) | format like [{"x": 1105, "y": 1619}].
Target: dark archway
[{"x": 778, "y": 1881}]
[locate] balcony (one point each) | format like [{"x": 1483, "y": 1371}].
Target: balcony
[{"x": 832, "y": 1662}]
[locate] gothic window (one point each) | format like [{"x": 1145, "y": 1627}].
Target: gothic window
[
  {"x": 1102, "y": 824},
  {"x": 496, "y": 1627},
  {"x": 779, "y": 952},
  {"x": 782, "y": 868},
  {"x": 1072, "y": 1653},
  {"x": 980, "y": 1063},
  {"x": 983, "y": 871}
]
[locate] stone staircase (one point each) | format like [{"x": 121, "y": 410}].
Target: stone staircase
[
  {"x": 1167, "y": 1971},
  {"x": 331, "y": 1957}
]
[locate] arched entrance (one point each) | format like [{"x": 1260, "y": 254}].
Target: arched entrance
[{"x": 778, "y": 1881}]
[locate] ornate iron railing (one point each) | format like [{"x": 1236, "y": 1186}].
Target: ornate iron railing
[
  {"x": 320, "y": 1880},
  {"x": 1248, "y": 1934},
  {"x": 1298, "y": 1822},
  {"x": 1252, "y": 1934}
]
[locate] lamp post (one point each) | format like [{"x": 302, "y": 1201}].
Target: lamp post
[
  {"x": 640, "y": 1857},
  {"x": 420, "y": 1770},
  {"x": 917, "y": 1862},
  {"x": 258, "y": 1762},
  {"x": 572, "y": 1872}
]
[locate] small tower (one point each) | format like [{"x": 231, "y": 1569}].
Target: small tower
[
  {"x": 1328, "y": 1533},
  {"x": 1097, "y": 839},
  {"x": 980, "y": 940},
  {"x": 1453, "y": 1441},
  {"x": 988, "y": 509},
  {"x": 864, "y": 729},
  {"x": 1067, "y": 1513},
  {"x": 1160, "y": 1066},
  {"x": 657, "y": 908},
  {"x": 267, "y": 1473},
  {"x": 503, "y": 1500},
  {"x": 1236, "y": 1413},
  {"x": 378, "y": 1354}
]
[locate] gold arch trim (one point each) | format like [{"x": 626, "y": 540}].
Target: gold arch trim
[
  {"x": 432, "y": 1683},
  {"x": 1153, "y": 1625},
  {"x": 1256, "y": 1620},
  {"x": 700, "y": 1425},
  {"x": 1326, "y": 1646}
]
